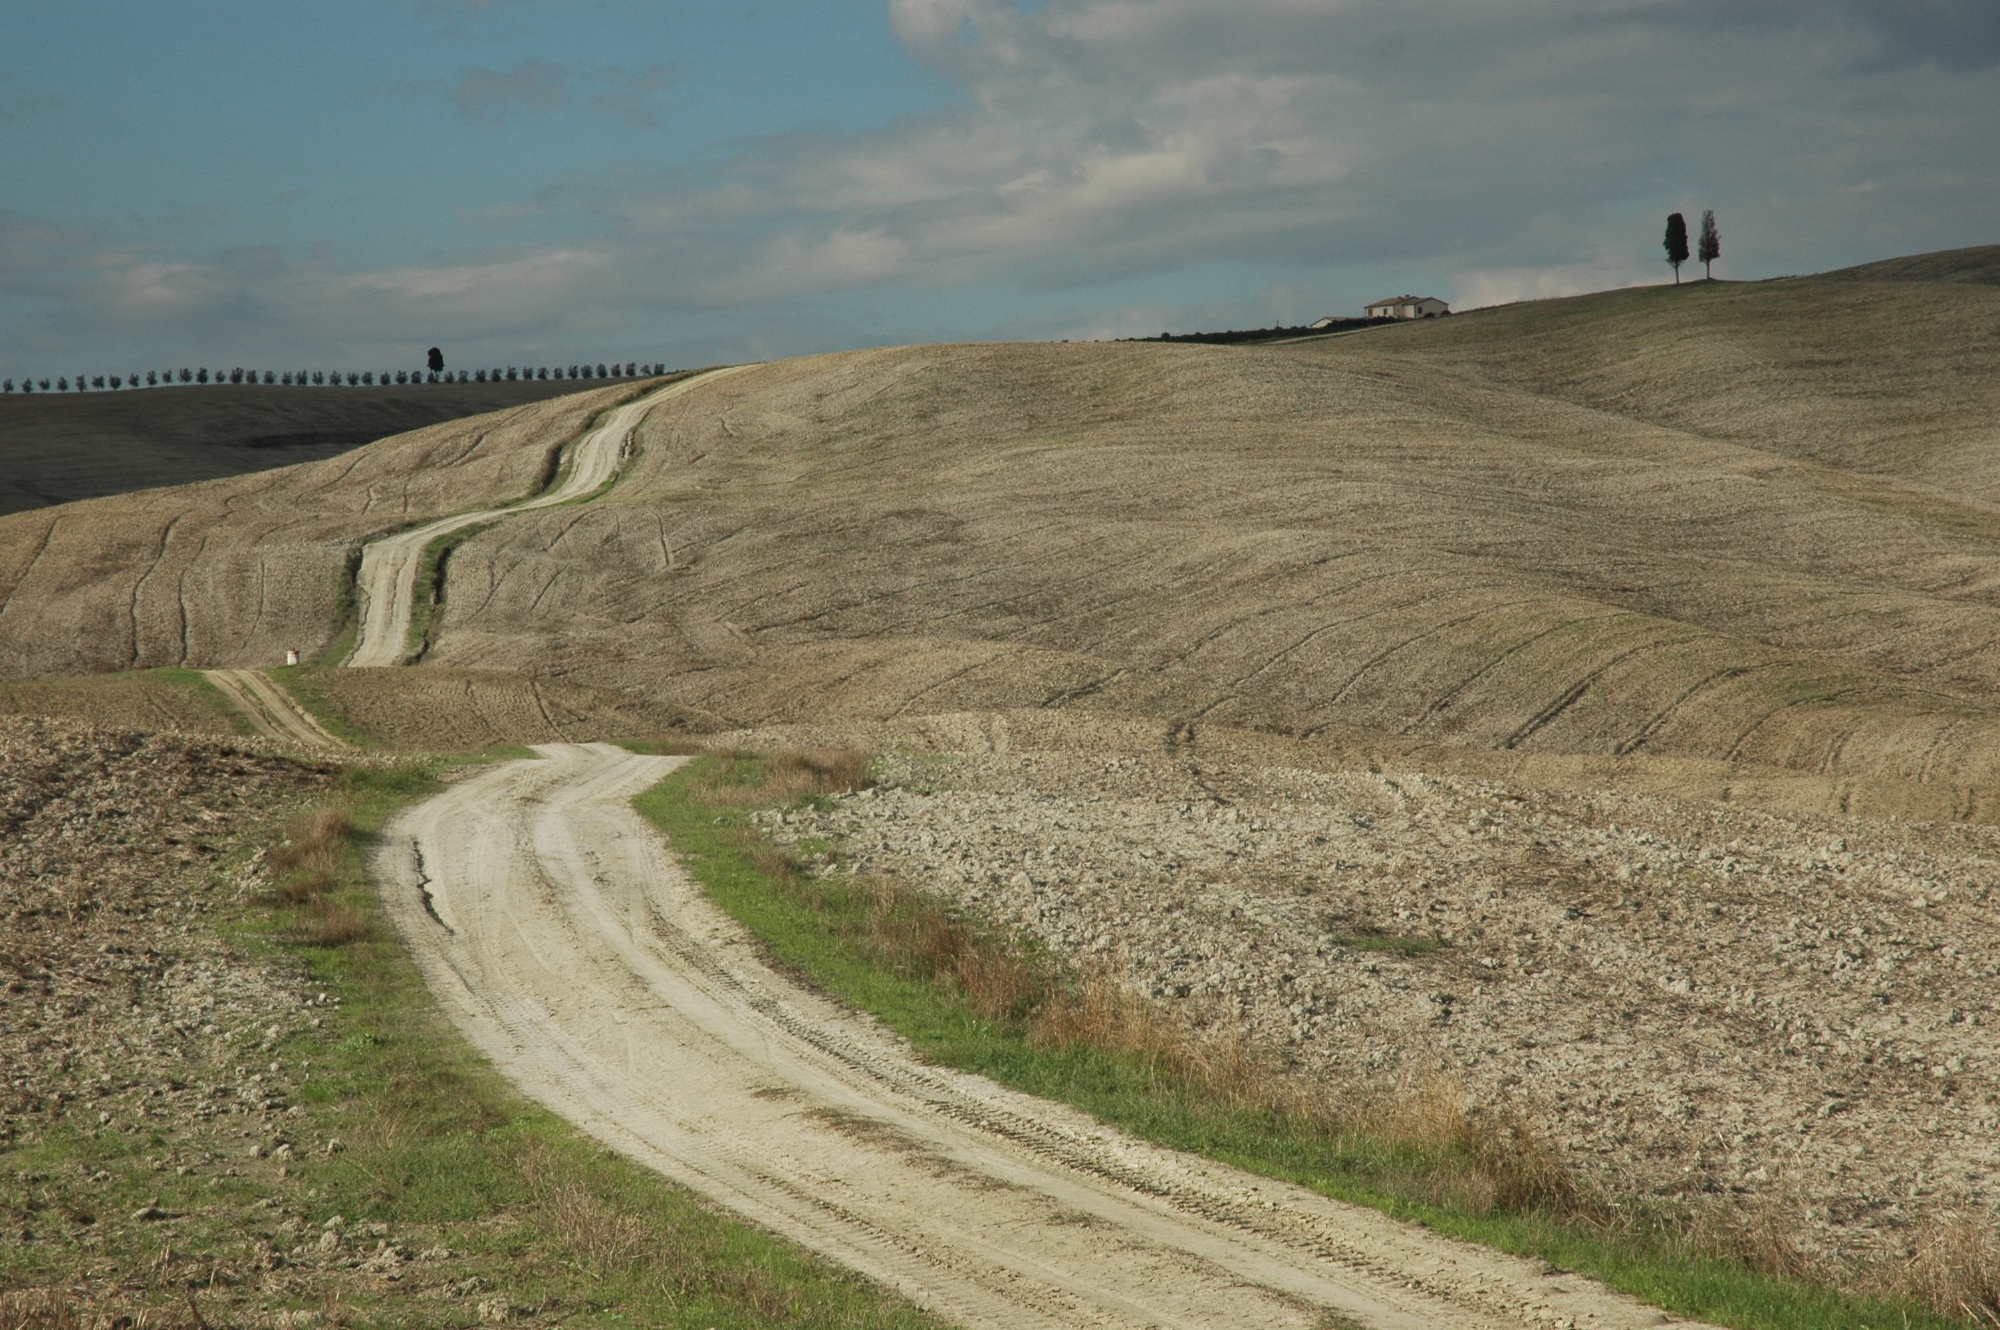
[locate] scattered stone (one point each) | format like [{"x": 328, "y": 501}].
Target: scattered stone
[{"x": 1654, "y": 985}]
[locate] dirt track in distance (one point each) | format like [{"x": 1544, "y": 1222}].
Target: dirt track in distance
[
  {"x": 1729, "y": 522},
  {"x": 568, "y": 946},
  {"x": 271, "y": 711},
  {"x": 389, "y": 566}
]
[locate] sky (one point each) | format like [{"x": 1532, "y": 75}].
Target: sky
[{"x": 284, "y": 183}]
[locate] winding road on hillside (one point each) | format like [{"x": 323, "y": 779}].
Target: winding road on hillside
[
  {"x": 387, "y": 579},
  {"x": 567, "y": 944}
]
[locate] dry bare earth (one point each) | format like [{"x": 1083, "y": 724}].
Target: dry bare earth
[
  {"x": 270, "y": 710},
  {"x": 387, "y": 576},
  {"x": 58, "y": 447},
  {"x": 578, "y": 956},
  {"x": 1724, "y": 540},
  {"x": 1530, "y": 530},
  {"x": 124, "y": 701},
  {"x": 123, "y": 1008},
  {"x": 229, "y": 574},
  {"x": 1779, "y": 1024},
  {"x": 468, "y": 710}
]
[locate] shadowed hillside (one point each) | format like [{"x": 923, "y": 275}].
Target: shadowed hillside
[
  {"x": 1745, "y": 522},
  {"x": 57, "y": 448}
]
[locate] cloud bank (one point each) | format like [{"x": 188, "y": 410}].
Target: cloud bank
[{"x": 1101, "y": 147}]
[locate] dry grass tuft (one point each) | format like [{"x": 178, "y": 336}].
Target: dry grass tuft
[
  {"x": 305, "y": 867},
  {"x": 741, "y": 779},
  {"x": 41, "y": 1309},
  {"x": 1763, "y": 1237},
  {"x": 1479, "y": 1162},
  {"x": 61, "y": 1309},
  {"x": 330, "y": 925},
  {"x": 312, "y": 841},
  {"x": 301, "y": 888},
  {"x": 600, "y": 1238},
  {"x": 1956, "y": 1269}
]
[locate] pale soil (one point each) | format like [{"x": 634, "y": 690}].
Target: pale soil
[
  {"x": 439, "y": 710},
  {"x": 1696, "y": 1005},
  {"x": 122, "y": 701},
  {"x": 1743, "y": 523},
  {"x": 270, "y": 710},
  {"x": 570, "y": 948},
  {"x": 123, "y": 1007},
  {"x": 386, "y": 582},
  {"x": 231, "y": 573},
  {"x": 125, "y": 1012}
]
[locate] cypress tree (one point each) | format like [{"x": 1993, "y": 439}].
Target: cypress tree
[
  {"x": 1711, "y": 243},
  {"x": 1677, "y": 243}
]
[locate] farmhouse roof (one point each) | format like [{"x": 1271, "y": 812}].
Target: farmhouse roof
[{"x": 1403, "y": 300}]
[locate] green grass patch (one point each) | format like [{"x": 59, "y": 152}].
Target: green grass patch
[
  {"x": 427, "y": 603},
  {"x": 198, "y": 682},
  {"x": 487, "y": 1197},
  {"x": 972, "y": 1000},
  {"x": 306, "y": 685},
  {"x": 1393, "y": 943},
  {"x": 347, "y": 611}
]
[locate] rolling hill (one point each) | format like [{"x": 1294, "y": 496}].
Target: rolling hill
[{"x": 1752, "y": 523}]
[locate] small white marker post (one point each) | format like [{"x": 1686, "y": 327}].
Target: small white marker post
[{"x": 291, "y": 656}]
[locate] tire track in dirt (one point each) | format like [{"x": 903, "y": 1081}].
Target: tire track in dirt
[
  {"x": 272, "y": 711},
  {"x": 386, "y": 583},
  {"x": 568, "y": 946}
]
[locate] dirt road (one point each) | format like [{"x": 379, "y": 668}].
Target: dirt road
[
  {"x": 389, "y": 566},
  {"x": 568, "y": 946},
  {"x": 272, "y": 711}
]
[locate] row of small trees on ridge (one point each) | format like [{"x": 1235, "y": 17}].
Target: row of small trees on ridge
[{"x": 325, "y": 378}]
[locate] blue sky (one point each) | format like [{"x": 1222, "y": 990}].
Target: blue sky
[{"x": 520, "y": 181}]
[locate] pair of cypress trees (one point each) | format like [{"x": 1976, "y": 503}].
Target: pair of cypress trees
[{"x": 1677, "y": 243}]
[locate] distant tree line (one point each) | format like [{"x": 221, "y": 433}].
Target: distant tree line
[{"x": 300, "y": 378}]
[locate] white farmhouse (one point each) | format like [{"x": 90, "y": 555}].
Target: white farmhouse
[{"x": 1408, "y": 307}]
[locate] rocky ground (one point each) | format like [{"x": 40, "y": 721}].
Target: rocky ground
[
  {"x": 1690, "y": 1000},
  {"x": 150, "y": 1071}
]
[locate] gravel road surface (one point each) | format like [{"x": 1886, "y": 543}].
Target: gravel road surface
[
  {"x": 566, "y": 943},
  {"x": 389, "y": 566}
]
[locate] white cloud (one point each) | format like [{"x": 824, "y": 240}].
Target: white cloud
[{"x": 1483, "y": 151}]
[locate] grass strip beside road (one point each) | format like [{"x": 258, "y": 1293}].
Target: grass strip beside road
[
  {"x": 208, "y": 692},
  {"x": 437, "y": 1141},
  {"x": 452, "y": 1200},
  {"x": 427, "y": 596},
  {"x": 970, "y": 999},
  {"x": 302, "y": 682}
]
